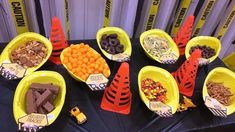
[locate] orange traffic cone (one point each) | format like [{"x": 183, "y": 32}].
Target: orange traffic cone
[
  {"x": 185, "y": 75},
  {"x": 58, "y": 41},
  {"x": 117, "y": 96},
  {"x": 184, "y": 34}
]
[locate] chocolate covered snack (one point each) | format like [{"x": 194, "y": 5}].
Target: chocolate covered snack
[
  {"x": 40, "y": 98},
  {"x": 30, "y": 54}
]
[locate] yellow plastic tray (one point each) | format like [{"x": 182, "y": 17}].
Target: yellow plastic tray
[
  {"x": 229, "y": 61},
  {"x": 19, "y": 108},
  {"x": 22, "y": 39},
  {"x": 70, "y": 72},
  {"x": 166, "y": 79},
  {"x": 221, "y": 74},
  {"x": 122, "y": 35},
  {"x": 204, "y": 40},
  {"x": 163, "y": 35}
]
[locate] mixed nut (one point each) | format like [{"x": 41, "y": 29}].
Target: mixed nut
[
  {"x": 154, "y": 91},
  {"x": 111, "y": 44},
  {"x": 30, "y": 54}
]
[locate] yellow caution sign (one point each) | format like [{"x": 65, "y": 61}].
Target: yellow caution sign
[
  {"x": 203, "y": 17},
  {"x": 107, "y": 12},
  {"x": 19, "y": 16},
  {"x": 180, "y": 16},
  {"x": 67, "y": 18},
  {"x": 152, "y": 14},
  {"x": 227, "y": 23}
]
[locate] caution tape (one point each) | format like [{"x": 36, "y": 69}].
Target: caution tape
[
  {"x": 152, "y": 14},
  {"x": 203, "y": 17},
  {"x": 19, "y": 16},
  {"x": 107, "y": 13},
  {"x": 67, "y": 18},
  {"x": 227, "y": 23},
  {"x": 180, "y": 16}
]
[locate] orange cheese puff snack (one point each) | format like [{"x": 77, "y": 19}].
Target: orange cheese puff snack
[{"x": 82, "y": 61}]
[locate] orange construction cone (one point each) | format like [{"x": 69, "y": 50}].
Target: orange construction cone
[
  {"x": 117, "y": 96},
  {"x": 185, "y": 75},
  {"x": 184, "y": 34},
  {"x": 58, "y": 41}
]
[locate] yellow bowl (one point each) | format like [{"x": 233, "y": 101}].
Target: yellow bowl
[
  {"x": 21, "y": 40},
  {"x": 166, "y": 79},
  {"x": 19, "y": 109},
  {"x": 70, "y": 72},
  {"x": 204, "y": 40},
  {"x": 162, "y": 34},
  {"x": 221, "y": 74},
  {"x": 122, "y": 35}
]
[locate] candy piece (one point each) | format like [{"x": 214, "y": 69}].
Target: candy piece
[
  {"x": 42, "y": 87},
  {"x": 30, "y": 102},
  {"x": 48, "y": 106},
  {"x": 42, "y": 110},
  {"x": 111, "y": 50},
  {"x": 104, "y": 44},
  {"x": 43, "y": 98},
  {"x": 119, "y": 48},
  {"x": 113, "y": 42},
  {"x": 104, "y": 37},
  {"x": 52, "y": 98},
  {"x": 37, "y": 94}
]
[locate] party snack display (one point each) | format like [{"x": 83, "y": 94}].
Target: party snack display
[
  {"x": 154, "y": 91},
  {"x": 29, "y": 54},
  {"x": 219, "y": 92},
  {"x": 83, "y": 61}
]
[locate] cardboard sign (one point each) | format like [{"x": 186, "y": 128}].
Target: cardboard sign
[
  {"x": 161, "y": 109},
  {"x": 12, "y": 71},
  {"x": 32, "y": 122},
  {"x": 215, "y": 107},
  {"x": 97, "y": 82},
  {"x": 121, "y": 57}
]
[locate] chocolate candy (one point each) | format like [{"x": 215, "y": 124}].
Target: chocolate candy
[
  {"x": 40, "y": 98},
  {"x": 30, "y": 102},
  {"x": 43, "y": 98},
  {"x": 30, "y": 54},
  {"x": 48, "y": 106},
  {"x": 42, "y": 87},
  {"x": 111, "y": 44},
  {"x": 207, "y": 52}
]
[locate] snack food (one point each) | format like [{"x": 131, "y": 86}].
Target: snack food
[
  {"x": 40, "y": 98},
  {"x": 30, "y": 54},
  {"x": 207, "y": 52},
  {"x": 82, "y": 61},
  {"x": 111, "y": 44},
  {"x": 154, "y": 91},
  {"x": 159, "y": 47},
  {"x": 219, "y": 92}
]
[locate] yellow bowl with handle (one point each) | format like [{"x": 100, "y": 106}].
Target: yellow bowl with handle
[
  {"x": 161, "y": 34},
  {"x": 221, "y": 74},
  {"x": 21, "y": 40},
  {"x": 166, "y": 79},
  {"x": 69, "y": 71},
  {"x": 212, "y": 42},
  {"x": 19, "y": 102},
  {"x": 122, "y": 36}
]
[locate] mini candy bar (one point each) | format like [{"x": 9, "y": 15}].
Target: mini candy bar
[
  {"x": 42, "y": 87},
  {"x": 37, "y": 94},
  {"x": 30, "y": 102},
  {"x": 43, "y": 98},
  {"x": 48, "y": 106},
  {"x": 52, "y": 98},
  {"x": 42, "y": 110}
]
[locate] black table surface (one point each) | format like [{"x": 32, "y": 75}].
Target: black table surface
[{"x": 140, "y": 117}]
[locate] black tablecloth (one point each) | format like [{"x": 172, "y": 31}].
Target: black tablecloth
[{"x": 140, "y": 117}]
